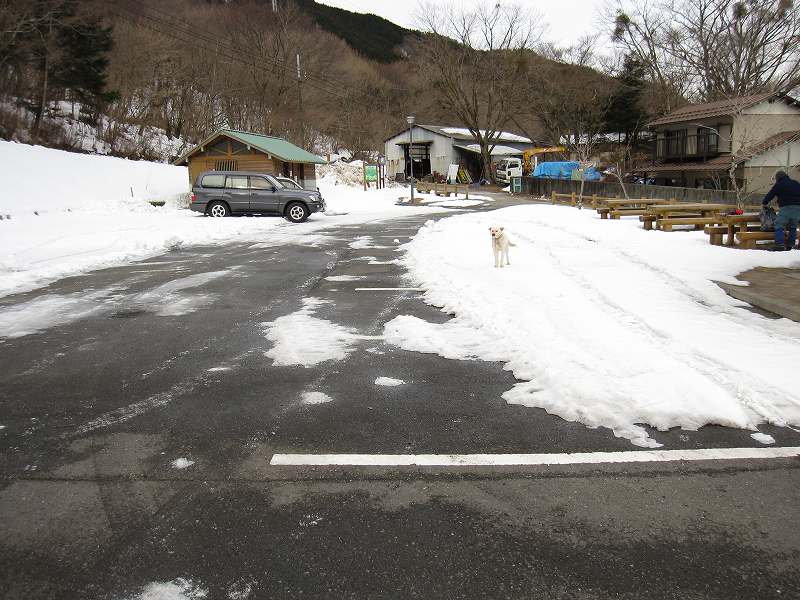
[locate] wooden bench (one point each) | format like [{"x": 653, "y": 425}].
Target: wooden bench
[
  {"x": 574, "y": 199},
  {"x": 648, "y": 221},
  {"x": 715, "y": 233},
  {"x": 627, "y": 212},
  {"x": 749, "y": 239},
  {"x": 443, "y": 189},
  {"x": 699, "y": 222}
]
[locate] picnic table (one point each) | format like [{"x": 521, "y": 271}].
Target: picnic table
[
  {"x": 699, "y": 215},
  {"x": 623, "y": 207},
  {"x": 733, "y": 225}
]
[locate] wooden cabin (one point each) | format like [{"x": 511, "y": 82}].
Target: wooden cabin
[{"x": 231, "y": 150}]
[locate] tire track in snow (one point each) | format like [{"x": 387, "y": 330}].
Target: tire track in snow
[{"x": 720, "y": 373}]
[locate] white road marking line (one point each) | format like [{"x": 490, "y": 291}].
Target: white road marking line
[
  {"x": 497, "y": 460},
  {"x": 394, "y": 289}
]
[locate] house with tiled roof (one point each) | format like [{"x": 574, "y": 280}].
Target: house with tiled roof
[
  {"x": 698, "y": 145},
  {"x": 232, "y": 150}
]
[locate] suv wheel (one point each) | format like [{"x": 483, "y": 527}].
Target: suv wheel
[
  {"x": 297, "y": 212},
  {"x": 218, "y": 209}
]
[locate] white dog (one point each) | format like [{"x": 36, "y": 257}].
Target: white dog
[{"x": 500, "y": 244}]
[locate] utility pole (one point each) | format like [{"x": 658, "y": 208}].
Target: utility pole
[
  {"x": 300, "y": 101},
  {"x": 411, "y": 119}
]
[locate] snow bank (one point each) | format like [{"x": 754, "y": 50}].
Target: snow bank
[
  {"x": 88, "y": 220},
  {"x": 342, "y": 173},
  {"x": 605, "y": 323},
  {"x": 46, "y": 180}
]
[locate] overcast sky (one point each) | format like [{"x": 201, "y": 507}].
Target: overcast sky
[{"x": 567, "y": 19}]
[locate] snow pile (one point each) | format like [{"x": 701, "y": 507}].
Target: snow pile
[
  {"x": 342, "y": 173},
  {"x": 181, "y": 463},
  {"x": 763, "y": 438},
  {"x": 303, "y": 339},
  {"x": 605, "y": 323},
  {"x": 45, "y": 180},
  {"x": 88, "y": 220}
]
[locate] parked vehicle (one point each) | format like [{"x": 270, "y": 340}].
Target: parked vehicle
[
  {"x": 289, "y": 183},
  {"x": 508, "y": 168},
  {"x": 223, "y": 193}
]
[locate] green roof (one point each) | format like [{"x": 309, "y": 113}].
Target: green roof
[{"x": 275, "y": 146}]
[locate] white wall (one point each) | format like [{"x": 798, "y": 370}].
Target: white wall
[
  {"x": 761, "y": 168},
  {"x": 763, "y": 120}
]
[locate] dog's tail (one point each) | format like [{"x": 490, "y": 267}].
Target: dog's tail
[{"x": 512, "y": 244}]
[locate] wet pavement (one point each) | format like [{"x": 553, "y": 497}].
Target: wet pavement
[{"x": 166, "y": 359}]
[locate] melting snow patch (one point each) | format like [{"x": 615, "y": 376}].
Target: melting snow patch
[
  {"x": 48, "y": 311},
  {"x": 763, "y": 438},
  {"x": 177, "y": 589},
  {"x": 303, "y": 339},
  {"x": 170, "y": 299},
  {"x": 315, "y": 398},
  {"x": 361, "y": 242},
  {"x": 217, "y": 369},
  {"x": 343, "y": 278},
  {"x": 389, "y": 381},
  {"x": 181, "y": 463}
]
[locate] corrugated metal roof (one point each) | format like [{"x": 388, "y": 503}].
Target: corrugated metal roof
[
  {"x": 719, "y": 108},
  {"x": 275, "y": 146},
  {"x": 463, "y": 134}
]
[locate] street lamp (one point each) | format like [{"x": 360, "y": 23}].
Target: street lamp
[{"x": 411, "y": 119}]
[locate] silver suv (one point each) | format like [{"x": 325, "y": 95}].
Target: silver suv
[{"x": 223, "y": 193}]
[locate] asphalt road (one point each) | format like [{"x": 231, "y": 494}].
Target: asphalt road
[{"x": 96, "y": 407}]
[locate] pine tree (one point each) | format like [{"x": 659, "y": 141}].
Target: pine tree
[{"x": 625, "y": 113}]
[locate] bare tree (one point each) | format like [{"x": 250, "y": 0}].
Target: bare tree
[
  {"x": 711, "y": 49},
  {"x": 473, "y": 58}
]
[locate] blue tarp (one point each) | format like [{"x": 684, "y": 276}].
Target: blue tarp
[{"x": 563, "y": 170}]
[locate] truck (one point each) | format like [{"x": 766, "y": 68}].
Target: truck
[{"x": 508, "y": 168}]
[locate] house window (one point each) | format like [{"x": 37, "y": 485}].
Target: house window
[
  {"x": 707, "y": 141},
  {"x": 676, "y": 142},
  {"x": 226, "y": 165}
]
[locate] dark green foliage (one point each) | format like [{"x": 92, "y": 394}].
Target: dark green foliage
[
  {"x": 83, "y": 61},
  {"x": 625, "y": 112},
  {"x": 371, "y": 36}
]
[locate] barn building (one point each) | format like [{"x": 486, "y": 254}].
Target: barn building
[
  {"x": 231, "y": 150},
  {"x": 436, "y": 147}
]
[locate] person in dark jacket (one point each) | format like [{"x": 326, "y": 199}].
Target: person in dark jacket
[{"x": 787, "y": 191}]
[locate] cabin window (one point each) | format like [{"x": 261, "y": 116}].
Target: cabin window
[
  {"x": 226, "y": 165},
  {"x": 219, "y": 147},
  {"x": 238, "y": 147}
]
